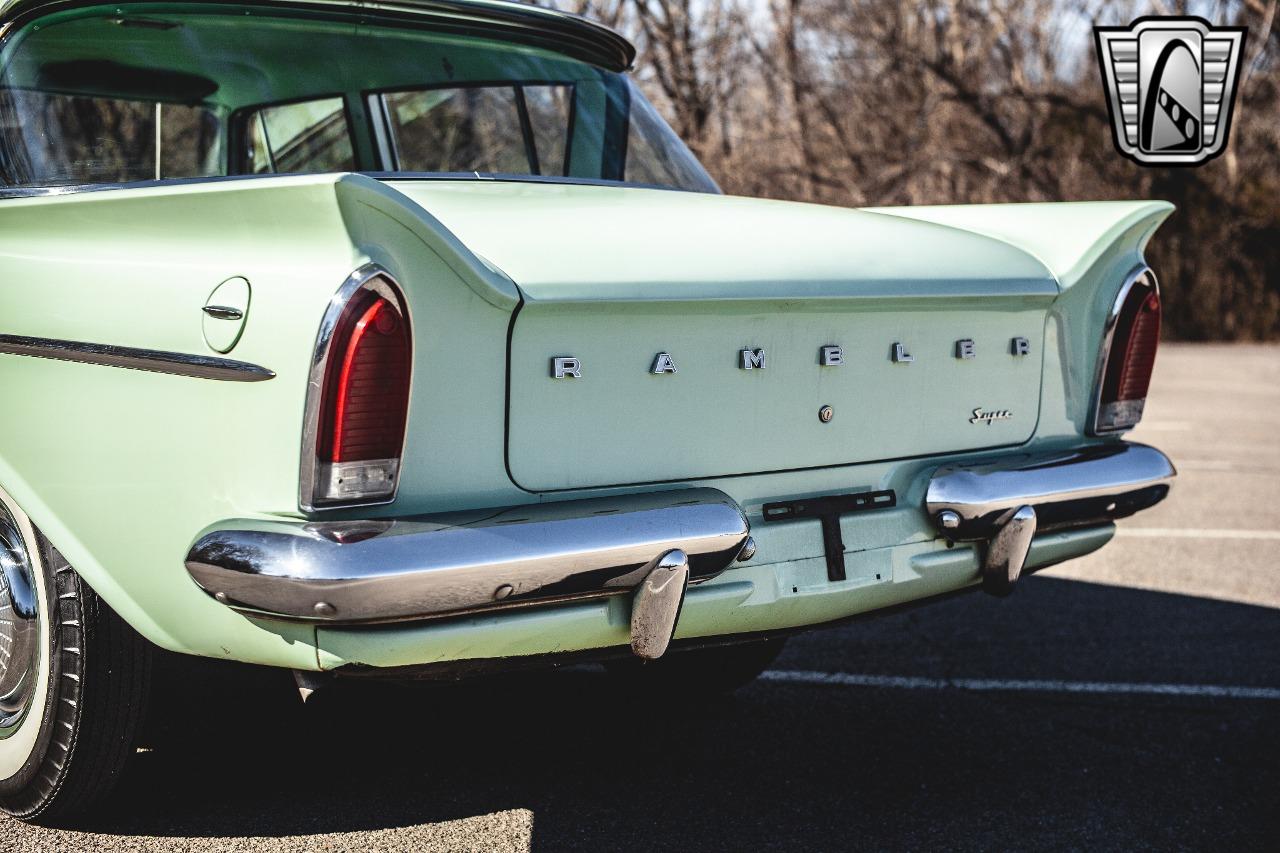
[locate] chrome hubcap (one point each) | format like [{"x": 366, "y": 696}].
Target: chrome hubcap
[{"x": 19, "y": 628}]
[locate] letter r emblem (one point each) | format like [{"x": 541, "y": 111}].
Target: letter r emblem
[{"x": 566, "y": 367}]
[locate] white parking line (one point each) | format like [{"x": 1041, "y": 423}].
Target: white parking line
[
  {"x": 1195, "y": 533},
  {"x": 1004, "y": 685}
]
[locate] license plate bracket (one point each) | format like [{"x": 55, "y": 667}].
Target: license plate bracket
[{"x": 829, "y": 509}]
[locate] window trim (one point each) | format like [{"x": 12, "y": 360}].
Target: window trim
[
  {"x": 526, "y": 128},
  {"x": 385, "y": 144}
]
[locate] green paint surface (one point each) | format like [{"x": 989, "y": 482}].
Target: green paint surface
[{"x": 123, "y": 469}]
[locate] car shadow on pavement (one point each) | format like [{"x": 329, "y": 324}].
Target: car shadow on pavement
[{"x": 778, "y": 765}]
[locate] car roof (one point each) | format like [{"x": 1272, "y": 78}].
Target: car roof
[{"x": 567, "y": 33}]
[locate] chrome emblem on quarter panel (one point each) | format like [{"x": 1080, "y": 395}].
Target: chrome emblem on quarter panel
[
  {"x": 984, "y": 417},
  {"x": 965, "y": 348},
  {"x": 1020, "y": 346},
  {"x": 831, "y": 356},
  {"x": 566, "y": 367},
  {"x": 752, "y": 359},
  {"x": 900, "y": 355}
]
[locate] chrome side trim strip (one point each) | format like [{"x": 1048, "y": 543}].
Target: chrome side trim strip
[
  {"x": 368, "y": 277},
  {"x": 153, "y": 361},
  {"x": 443, "y": 565},
  {"x": 1091, "y": 485}
]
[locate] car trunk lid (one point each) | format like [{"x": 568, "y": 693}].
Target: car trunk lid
[{"x": 940, "y": 332}]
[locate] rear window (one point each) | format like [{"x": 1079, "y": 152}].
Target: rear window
[
  {"x": 135, "y": 92},
  {"x": 496, "y": 129}
]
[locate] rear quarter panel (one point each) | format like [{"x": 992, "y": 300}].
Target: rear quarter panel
[{"x": 122, "y": 469}]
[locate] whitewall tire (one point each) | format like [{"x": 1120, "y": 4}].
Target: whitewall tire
[{"x": 74, "y": 680}]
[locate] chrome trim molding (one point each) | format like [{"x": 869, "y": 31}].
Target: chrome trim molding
[
  {"x": 1104, "y": 355},
  {"x": 152, "y": 361},
  {"x": 311, "y": 470},
  {"x": 352, "y": 572},
  {"x": 1090, "y": 485}
]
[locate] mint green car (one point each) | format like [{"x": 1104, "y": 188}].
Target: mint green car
[{"x": 406, "y": 338}]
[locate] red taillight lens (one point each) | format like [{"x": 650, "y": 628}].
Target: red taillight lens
[
  {"x": 1131, "y": 357},
  {"x": 365, "y": 401},
  {"x": 367, "y": 386}
]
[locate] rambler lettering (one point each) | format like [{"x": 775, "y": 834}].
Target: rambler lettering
[{"x": 830, "y": 355}]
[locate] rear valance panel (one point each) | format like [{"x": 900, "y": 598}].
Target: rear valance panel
[{"x": 620, "y": 423}]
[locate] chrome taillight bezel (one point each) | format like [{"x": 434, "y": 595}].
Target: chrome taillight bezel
[
  {"x": 1097, "y": 424},
  {"x": 313, "y": 471}
]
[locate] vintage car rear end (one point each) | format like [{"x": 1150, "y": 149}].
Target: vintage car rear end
[{"x": 496, "y": 376}]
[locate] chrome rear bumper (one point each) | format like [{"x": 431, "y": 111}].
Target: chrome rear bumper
[
  {"x": 444, "y": 565},
  {"x": 353, "y": 572},
  {"x": 1007, "y": 502},
  {"x": 1092, "y": 485}
]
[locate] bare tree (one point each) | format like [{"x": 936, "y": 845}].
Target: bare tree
[{"x": 861, "y": 102}]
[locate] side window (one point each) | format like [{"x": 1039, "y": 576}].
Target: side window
[
  {"x": 55, "y": 139},
  {"x": 308, "y": 137},
  {"x": 520, "y": 130}
]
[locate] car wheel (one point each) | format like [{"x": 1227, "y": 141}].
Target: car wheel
[
  {"x": 73, "y": 681},
  {"x": 707, "y": 671}
]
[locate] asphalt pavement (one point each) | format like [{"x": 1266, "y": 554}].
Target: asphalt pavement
[{"x": 1129, "y": 700}]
